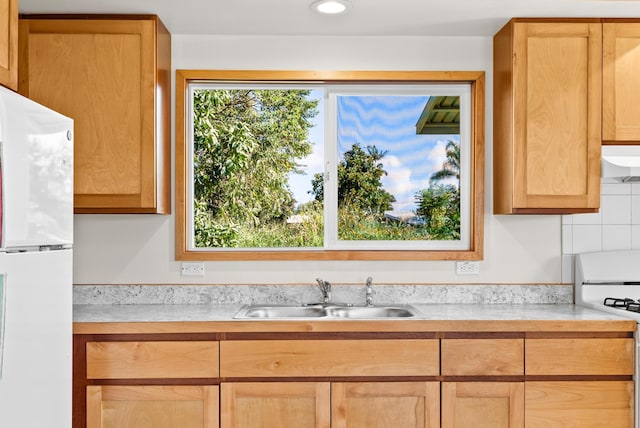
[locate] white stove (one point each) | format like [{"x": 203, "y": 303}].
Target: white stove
[{"x": 610, "y": 281}]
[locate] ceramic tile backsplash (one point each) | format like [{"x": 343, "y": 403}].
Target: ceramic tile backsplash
[{"x": 615, "y": 227}]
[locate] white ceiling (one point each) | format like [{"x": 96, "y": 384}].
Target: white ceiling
[{"x": 366, "y": 17}]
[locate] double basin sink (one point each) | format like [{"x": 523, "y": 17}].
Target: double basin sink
[{"x": 327, "y": 312}]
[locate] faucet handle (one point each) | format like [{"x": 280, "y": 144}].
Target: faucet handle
[
  {"x": 369, "y": 292},
  {"x": 325, "y": 288}
]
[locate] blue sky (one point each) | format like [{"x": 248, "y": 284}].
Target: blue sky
[{"x": 387, "y": 122}]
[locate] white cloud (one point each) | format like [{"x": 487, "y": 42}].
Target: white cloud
[{"x": 399, "y": 183}]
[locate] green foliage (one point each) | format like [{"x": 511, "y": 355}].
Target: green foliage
[
  {"x": 359, "y": 182},
  {"x": 246, "y": 142},
  {"x": 210, "y": 233},
  {"x": 439, "y": 204},
  {"x": 356, "y": 226},
  {"x": 309, "y": 233}
]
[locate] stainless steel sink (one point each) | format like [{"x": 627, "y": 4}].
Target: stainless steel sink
[
  {"x": 327, "y": 312},
  {"x": 261, "y": 311},
  {"x": 373, "y": 312}
]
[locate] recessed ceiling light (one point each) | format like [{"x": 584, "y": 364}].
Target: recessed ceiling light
[{"x": 331, "y": 7}]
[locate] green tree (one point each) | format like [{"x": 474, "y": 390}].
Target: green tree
[
  {"x": 246, "y": 142},
  {"x": 451, "y": 166},
  {"x": 359, "y": 181},
  {"x": 439, "y": 204}
]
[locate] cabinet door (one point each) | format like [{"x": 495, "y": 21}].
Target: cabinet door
[
  {"x": 482, "y": 404},
  {"x": 385, "y": 404},
  {"x": 547, "y": 117},
  {"x": 620, "y": 83},
  {"x": 557, "y": 114},
  {"x": 579, "y": 404},
  {"x": 9, "y": 44},
  {"x": 152, "y": 406},
  {"x": 275, "y": 405},
  {"x": 102, "y": 74}
]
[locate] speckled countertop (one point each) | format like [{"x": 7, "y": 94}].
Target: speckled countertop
[
  {"x": 97, "y": 319},
  {"x": 166, "y": 309},
  {"x": 439, "y": 312}
]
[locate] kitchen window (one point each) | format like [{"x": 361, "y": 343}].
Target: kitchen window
[{"x": 277, "y": 165}]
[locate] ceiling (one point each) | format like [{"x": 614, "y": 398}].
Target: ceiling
[{"x": 366, "y": 17}]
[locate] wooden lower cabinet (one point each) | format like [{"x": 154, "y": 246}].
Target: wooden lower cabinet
[
  {"x": 385, "y": 404},
  {"x": 116, "y": 406},
  {"x": 544, "y": 380},
  {"x": 482, "y": 404},
  {"x": 584, "y": 404},
  {"x": 275, "y": 405},
  {"x": 335, "y": 405}
]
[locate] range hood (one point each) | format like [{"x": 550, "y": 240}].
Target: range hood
[{"x": 621, "y": 164}]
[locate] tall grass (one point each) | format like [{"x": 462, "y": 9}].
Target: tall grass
[{"x": 352, "y": 226}]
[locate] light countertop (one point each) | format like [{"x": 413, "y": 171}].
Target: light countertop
[{"x": 159, "y": 318}]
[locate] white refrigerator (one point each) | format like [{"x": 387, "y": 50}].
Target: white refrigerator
[{"x": 36, "y": 235}]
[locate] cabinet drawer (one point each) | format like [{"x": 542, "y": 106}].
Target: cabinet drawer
[
  {"x": 482, "y": 357},
  {"x": 302, "y": 358},
  {"x": 144, "y": 360},
  {"x": 579, "y": 356}
]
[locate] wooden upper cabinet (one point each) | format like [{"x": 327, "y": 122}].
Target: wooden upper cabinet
[
  {"x": 9, "y": 44},
  {"x": 112, "y": 76},
  {"x": 547, "y": 116},
  {"x": 620, "y": 82}
]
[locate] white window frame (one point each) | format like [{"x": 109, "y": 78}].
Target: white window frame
[{"x": 331, "y": 158}]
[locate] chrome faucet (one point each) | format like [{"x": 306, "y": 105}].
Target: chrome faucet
[
  {"x": 325, "y": 288},
  {"x": 369, "y": 292}
]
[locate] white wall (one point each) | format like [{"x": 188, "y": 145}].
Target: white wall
[{"x": 138, "y": 249}]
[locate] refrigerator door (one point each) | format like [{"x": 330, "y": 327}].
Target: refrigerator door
[
  {"x": 36, "y": 161},
  {"x": 36, "y": 383}
]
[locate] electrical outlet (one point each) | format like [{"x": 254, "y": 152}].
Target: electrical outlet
[
  {"x": 467, "y": 268},
  {"x": 192, "y": 269}
]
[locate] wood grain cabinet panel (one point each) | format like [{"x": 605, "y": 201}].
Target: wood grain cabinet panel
[
  {"x": 482, "y": 404},
  {"x": 9, "y": 44},
  {"x": 579, "y": 404},
  {"x": 482, "y": 357},
  {"x": 112, "y": 76},
  {"x": 276, "y": 405},
  {"x": 547, "y": 117},
  {"x": 612, "y": 356},
  {"x": 620, "y": 83},
  {"x": 293, "y": 358},
  {"x": 144, "y": 360},
  {"x": 385, "y": 404},
  {"x": 152, "y": 406}
]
